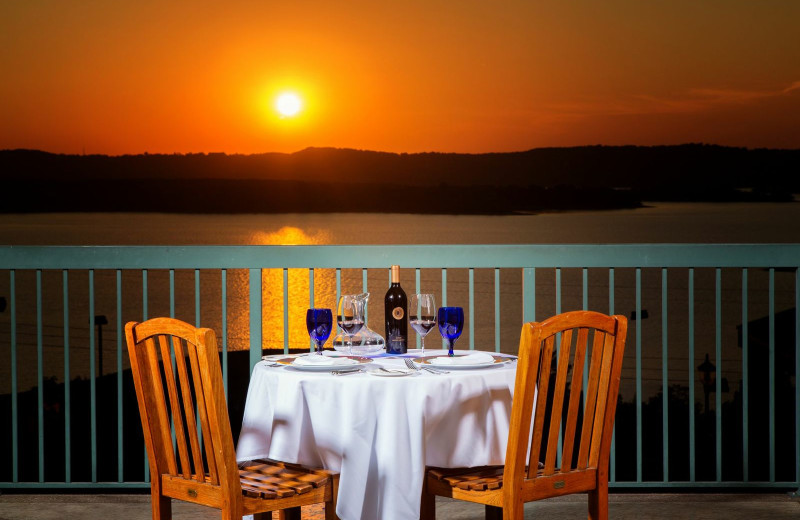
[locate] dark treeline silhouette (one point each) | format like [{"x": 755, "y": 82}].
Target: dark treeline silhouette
[{"x": 327, "y": 179}]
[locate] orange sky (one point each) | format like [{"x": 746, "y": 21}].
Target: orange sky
[{"x": 452, "y": 76}]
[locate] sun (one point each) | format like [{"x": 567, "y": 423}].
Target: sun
[{"x": 288, "y": 104}]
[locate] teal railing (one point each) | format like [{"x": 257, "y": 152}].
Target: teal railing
[{"x": 738, "y": 303}]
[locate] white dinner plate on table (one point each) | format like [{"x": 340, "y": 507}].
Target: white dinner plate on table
[
  {"x": 428, "y": 360},
  {"x": 321, "y": 367}
]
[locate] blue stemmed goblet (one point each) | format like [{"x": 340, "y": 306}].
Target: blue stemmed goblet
[
  {"x": 319, "y": 323},
  {"x": 451, "y": 323}
]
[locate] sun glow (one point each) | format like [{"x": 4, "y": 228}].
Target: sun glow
[{"x": 288, "y": 104}]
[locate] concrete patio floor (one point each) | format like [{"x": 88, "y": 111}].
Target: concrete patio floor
[{"x": 698, "y": 506}]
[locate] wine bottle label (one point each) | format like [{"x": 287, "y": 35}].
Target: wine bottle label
[{"x": 398, "y": 313}]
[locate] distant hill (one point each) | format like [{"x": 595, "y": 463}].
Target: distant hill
[{"x": 588, "y": 177}]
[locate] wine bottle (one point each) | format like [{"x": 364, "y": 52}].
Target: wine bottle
[{"x": 396, "y": 309}]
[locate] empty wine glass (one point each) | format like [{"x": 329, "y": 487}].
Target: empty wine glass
[
  {"x": 350, "y": 316},
  {"x": 319, "y": 323},
  {"x": 422, "y": 315},
  {"x": 451, "y": 323}
]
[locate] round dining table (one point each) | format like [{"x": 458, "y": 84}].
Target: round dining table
[{"x": 378, "y": 429}]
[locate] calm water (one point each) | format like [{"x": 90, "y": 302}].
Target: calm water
[
  {"x": 663, "y": 222},
  {"x": 674, "y": 222}
]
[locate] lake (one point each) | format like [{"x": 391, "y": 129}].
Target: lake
[{"x": 656, "y": 223}]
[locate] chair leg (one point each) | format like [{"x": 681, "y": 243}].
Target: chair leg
[
  {"x": 598, "y": 503},
  {"x": 427, "y": 505},
  {"x": 162, "y": 507},
  {"x": 494, "y": 513},
  {"x": 330, "y": 506}
]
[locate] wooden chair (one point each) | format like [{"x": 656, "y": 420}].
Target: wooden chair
[
  {"x": 549, "y": 353},
  {"x": 210, "y": 477}
]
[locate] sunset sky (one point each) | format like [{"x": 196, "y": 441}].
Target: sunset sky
[{"x": 117, "y": 77}]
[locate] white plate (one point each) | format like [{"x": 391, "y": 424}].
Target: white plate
[
  {"x": 498, "y": 360},
  {"x": 289, "y": 362},
  {"x": 392, "y": 372}
]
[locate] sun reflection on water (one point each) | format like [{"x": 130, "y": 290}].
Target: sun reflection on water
[
  {"x": 298, "y": 284},
  {"x": 290, "y": 236}
]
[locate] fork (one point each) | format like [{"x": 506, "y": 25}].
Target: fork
[{"x": 413, "y": 366}]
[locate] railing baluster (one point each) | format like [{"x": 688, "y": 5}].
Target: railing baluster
[
  {"x": 444, "y": 298},
  {"x": 285, "y": 311},
  {"x": 528, "y": 293},
  {"x": 797, "y": 380},
  {"x": 664, "y": 378},
  {"x": 638, "y": 374},
  {"x": 718, "y": 355},
  {"x": 471, "y": 308},
  {"x": 364, "y": 289},
  {"x": 585, "y": 288},
  {"x": 40, "y": 373},
  {"x": 496, "y": 309},
  {"x": 120, "y": 456},
  {"x": 418, "y": 290},
  {"x": 144, "y": 318},
  {"x": 613, "y": 469},
  {"x": 444, "y": 290},
  {"x": 338, "y": 283},
  {"x": 197, "y": 298},
  {"x": 224, "y": 312},
  {"x": 311, "y": 345},
  {"x": 92, "y": 377},
  {"x": 558, "y": 300},
  {"x": 172, "y": 299},
  {"x": 585, "y": 279},
  {"x": 254, "y": 276},
  {"x": 197, "y": 324},
  {"x": 772, "y": 375},
  {"x": 144, "y": 294},
  {"x": 745, "y": 383},
  {"x": 12, "y": 296},
  {"x": 67, "y": 385},
  {"x": 691, "y": 377},
  {"x": 172, "y": 350},
  {"x": 558, "y": 350}
]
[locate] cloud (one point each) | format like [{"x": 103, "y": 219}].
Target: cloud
[{"x": 690, "y": 101}]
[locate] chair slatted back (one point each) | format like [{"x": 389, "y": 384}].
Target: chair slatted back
[
  {"x": 178, "y": 383},
  {"x": 549, "y": 391}
]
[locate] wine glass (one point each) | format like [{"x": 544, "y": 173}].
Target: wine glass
[
  {"x": 422, "y": 316},
  {"x": 451, "y": 323},
  {"x": 350, "y": 316},
  {"x": 319, "y": 323}
]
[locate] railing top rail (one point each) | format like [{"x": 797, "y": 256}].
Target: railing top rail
[{"x": 422, "y": 256}]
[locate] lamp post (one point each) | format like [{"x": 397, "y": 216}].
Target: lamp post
[
  {"x": 99, "y": 321},
  {"x": 708, "y": 378}
]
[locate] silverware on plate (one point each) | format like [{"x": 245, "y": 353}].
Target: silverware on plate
[
  {"x": 346, "y": 371},
  {"x": 410, "y": 364}
]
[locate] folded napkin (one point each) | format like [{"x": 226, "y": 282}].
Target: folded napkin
[
  {"x": 478, "y": 358},
  {"x": 317, "y": 360}
]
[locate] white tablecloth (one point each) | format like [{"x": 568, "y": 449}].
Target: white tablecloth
[{"x": 379, "y": 433}]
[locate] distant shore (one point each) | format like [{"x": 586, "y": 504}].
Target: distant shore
[{"x": 331, "y": 180}]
